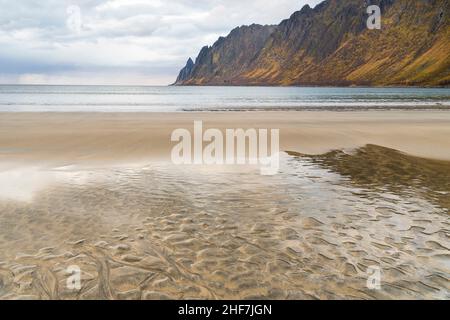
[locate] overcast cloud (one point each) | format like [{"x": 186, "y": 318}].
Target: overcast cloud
[{"x": 118, "y": 41}]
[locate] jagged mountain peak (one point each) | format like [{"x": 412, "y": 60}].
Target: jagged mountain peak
[{"x": 330, "y": 44}]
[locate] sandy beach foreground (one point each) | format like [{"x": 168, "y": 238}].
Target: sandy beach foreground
[
  {"x": 359, "y": 195},
  {"x": 86, "y": 138}
]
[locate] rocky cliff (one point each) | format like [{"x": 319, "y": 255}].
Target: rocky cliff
[{"x": 331, "y": 45}]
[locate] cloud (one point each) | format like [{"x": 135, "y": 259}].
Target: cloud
[{"x": 135, "y": 40}]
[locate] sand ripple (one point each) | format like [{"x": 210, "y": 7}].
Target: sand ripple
[{"x": 162, "y": 232}]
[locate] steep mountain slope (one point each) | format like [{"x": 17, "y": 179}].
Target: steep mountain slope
[
  {"x": 331, "y": 45},
  {"x": 229, "y": 57}
]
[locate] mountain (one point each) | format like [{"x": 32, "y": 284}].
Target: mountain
[
  {"x": 331, "y": 45},
  {"x": 186, "y": 72},
  {"x": 228, "y": 58}
]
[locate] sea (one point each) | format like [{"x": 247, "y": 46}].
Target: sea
[{"x": 45, "y": 98}]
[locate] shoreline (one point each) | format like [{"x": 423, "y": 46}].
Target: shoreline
[
  {"x": 309, "y": 86},
  {"x": 84, "y": 138}
]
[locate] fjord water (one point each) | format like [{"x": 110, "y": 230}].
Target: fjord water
[{"x": 16, "y": 98}]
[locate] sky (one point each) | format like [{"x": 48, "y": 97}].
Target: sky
[{"x": 119, "y": 42}]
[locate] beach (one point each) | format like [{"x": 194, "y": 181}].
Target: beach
[
  {"x": 357, "y": 192},
  {"x": 85, "y": 138}
]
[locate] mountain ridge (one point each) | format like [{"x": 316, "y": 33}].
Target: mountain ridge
[{"x": 330, "y": 45}]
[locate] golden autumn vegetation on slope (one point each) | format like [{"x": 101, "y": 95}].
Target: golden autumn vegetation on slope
[{"x": 331, "y": 45}]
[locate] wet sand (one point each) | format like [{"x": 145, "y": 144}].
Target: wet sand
[
  {"x": 96, "y": 191},
  {"x": 86, "y": 138}
]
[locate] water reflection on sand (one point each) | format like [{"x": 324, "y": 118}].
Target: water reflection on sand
[{"x": 160, "y": 231}]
